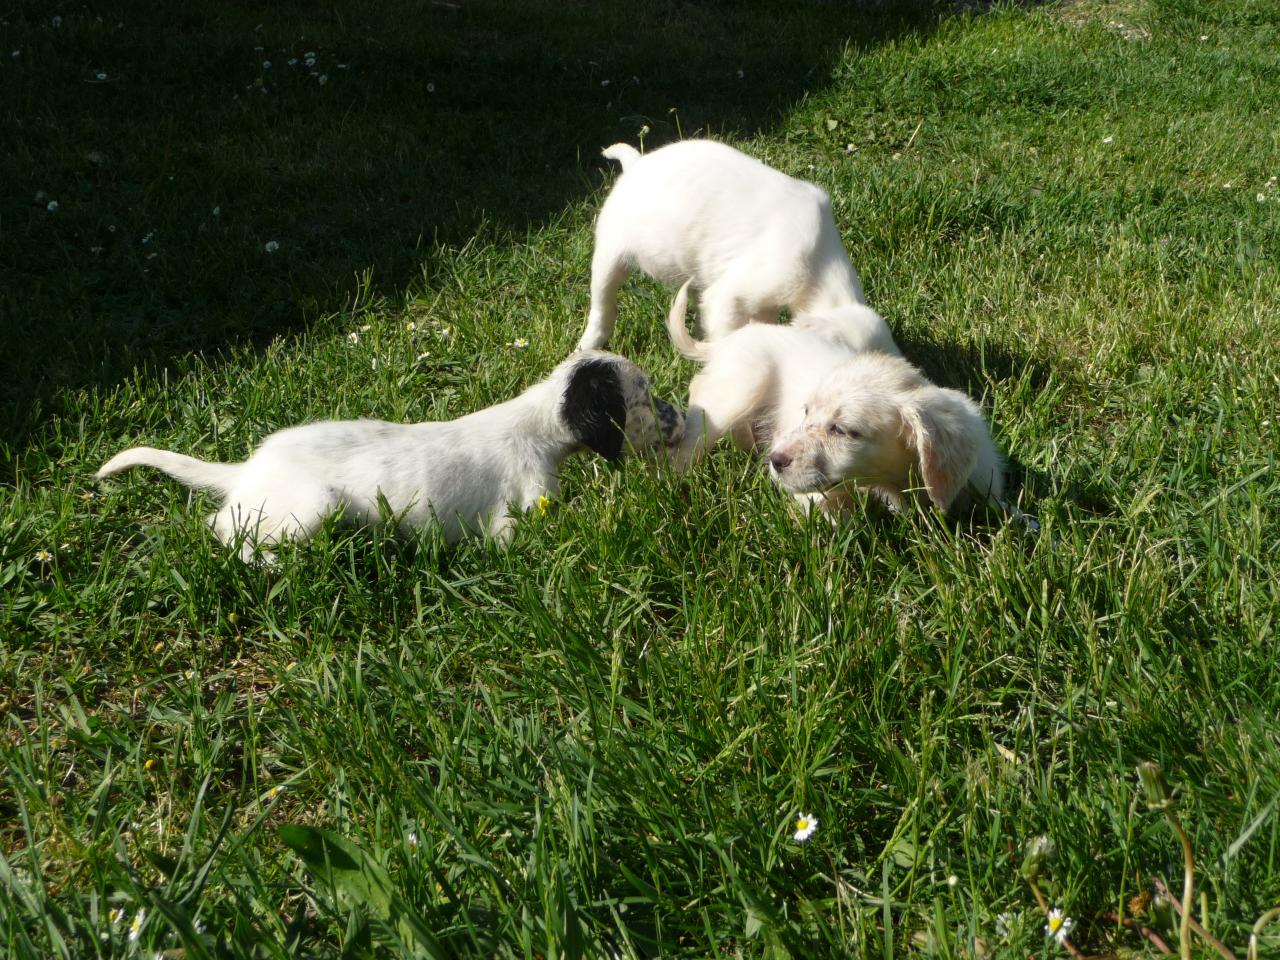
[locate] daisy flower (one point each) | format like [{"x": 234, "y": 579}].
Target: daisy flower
[
  {"x": 135, "y": 928},
  {"x": 116, "y": 916},
  {"x": 806, "y": 824},
  {"x": 519, "y": 343},
  {"x": 44, "y": 556},
  {"x": 412, "y": 840},
  {"x": 271, "y": 246},
  {"x": 1058, "y": 926},
  {"x": 53, "y": 206},
  {"x": 353, "y": 337}
]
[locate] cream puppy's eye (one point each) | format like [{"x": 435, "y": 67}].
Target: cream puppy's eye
[{"x": 836, "y": 430}]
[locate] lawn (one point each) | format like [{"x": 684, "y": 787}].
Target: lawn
[{"x": 596, "y": 742}]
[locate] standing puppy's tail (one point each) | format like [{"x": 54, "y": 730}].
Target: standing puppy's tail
[
  {"x": 681, "y": 339},
  {"x": 624, "y": 153},
  {"x": 192, "y": 472}
]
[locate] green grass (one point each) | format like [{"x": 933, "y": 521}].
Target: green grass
[{"x": 594, "y": 742}]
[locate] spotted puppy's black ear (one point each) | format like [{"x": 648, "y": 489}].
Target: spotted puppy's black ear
[{"x": 594, "y": 408}]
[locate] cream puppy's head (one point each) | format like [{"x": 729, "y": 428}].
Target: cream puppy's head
[
  {"x": 608, "y": 407},
  {"x": 875, "y": 422}
]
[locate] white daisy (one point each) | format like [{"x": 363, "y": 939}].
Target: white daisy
[
  {"x": 431, "y": 87},
  {"x": 519, "y": 343},
  {"x": 101, "y": 76},
  {"x": 53, "y": 206},
  {"x": 1108, "y": 139},
  {"x": 412, "y": 840},
  {"x": 116, "y": 916},
  {"x": 44, "y": 556},
  {"x": 353, "y": 337},
  {"x": 135, "y": 928},
  {"x": 1058, "y": 926},
  {"x": 266, "y": 64},
  {"x": 271, "y": 246},
  {"x": 324, "y": 78},
  {"x": 806, "y": 824}
]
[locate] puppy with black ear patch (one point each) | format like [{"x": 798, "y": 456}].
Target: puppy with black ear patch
[{"x": 465, "y": 474}]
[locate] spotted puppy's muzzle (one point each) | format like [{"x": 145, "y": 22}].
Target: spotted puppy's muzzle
[{"x": 670, "y": 422}]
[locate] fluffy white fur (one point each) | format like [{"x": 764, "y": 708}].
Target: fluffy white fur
[
  {"x": 464, "y": 474},
  {"x": 751, "y": 239},
  {"x": 835, "y": 409}
]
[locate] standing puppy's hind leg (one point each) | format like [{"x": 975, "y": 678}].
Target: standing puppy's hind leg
[{"x": 608, "y": 272}]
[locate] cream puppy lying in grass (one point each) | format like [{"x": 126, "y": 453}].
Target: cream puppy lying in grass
[
  {"x": 751, "y": 239},
  {"x": 836, "y": 410},
  {"x": 464, "y": 474}
]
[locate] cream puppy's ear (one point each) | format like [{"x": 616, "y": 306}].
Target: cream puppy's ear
[{"x": 946, "y": 432}]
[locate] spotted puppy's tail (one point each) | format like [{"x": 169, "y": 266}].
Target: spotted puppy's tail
[
  {"x": 681, "y": 339},
  {"x": 194, "y": 473},
  {"x": 624, "y": 153}
]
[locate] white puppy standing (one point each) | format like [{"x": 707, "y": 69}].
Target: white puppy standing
[
  {"x": 464, "y": 474},
  {"x": 751, "y": 239},
  {"x": 836, "y": 409}
]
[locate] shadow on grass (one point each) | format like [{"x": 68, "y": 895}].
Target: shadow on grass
[{"x": 189, "y": 178}]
